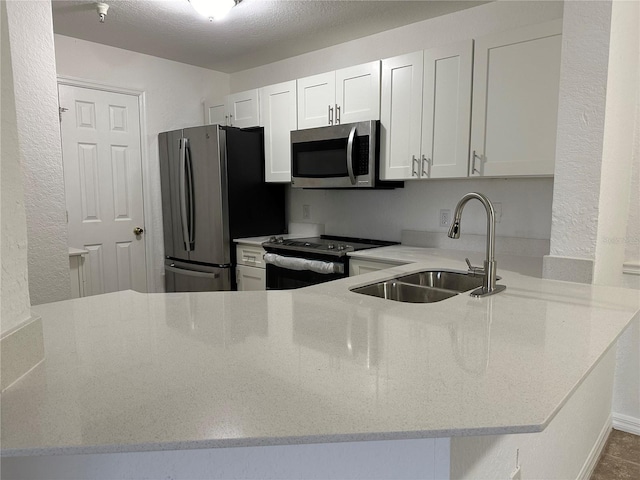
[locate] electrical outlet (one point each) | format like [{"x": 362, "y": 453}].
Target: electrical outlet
[
  {"x": 445, "y": 218},
  {"x": 306, "y": 212}
]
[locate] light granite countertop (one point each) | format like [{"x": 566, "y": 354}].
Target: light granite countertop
[{"x": 128, "y": 372}]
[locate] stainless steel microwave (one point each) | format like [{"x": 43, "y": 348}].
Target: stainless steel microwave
[{"x": 339, "y": 156}]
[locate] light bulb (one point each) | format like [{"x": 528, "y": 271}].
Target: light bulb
[{"x": 212, "y": 9}]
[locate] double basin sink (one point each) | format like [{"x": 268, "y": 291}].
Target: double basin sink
[{"x": 423, "y": 287}]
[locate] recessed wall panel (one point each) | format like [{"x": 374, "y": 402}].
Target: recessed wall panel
[
  {"x": 89, "y": 186},
  {"x": 85, "y": 115},
  {"x": 119, "y": 169},
  {"x": 118, "y": 118},
  {"x": 123, "y": 262},
  {"x": 94, "y": 269}
]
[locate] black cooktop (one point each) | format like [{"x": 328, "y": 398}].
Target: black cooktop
[{"x": 325, "y": 244}]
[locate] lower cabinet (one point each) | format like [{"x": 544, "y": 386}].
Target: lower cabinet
[
  {"x": 250, "y": 278},
  {"x": 251, "y": 273},
  {"x": 359, "y": 267}
]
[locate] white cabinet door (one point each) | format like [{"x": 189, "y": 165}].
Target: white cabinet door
[
  {"x": 401, "y": 116},
  {"x": 250, "y": 255},
  {"x": 215, "y": 114},
  {"x": 250, "y": 278},
  {"x": 446, "y": 112},
  {"x": 278, "y": 115},
  {"x": 243, "y": 109},
  {"x": 316, "y": 100},
  {"x": 515, "y": 101},
  {"x": 358, "y": 93}
]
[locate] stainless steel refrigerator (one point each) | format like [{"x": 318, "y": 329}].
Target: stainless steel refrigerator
[{"x": 213, "y": 191}]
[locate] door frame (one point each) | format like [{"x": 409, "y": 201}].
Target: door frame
[{"x": 149, "y": 236}]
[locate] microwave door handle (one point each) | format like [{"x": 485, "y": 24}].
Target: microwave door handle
[
  {"x": 183, "y": 194},
  {"x": 352, "y": 135}
]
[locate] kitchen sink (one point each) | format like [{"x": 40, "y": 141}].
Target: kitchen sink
[
  {"x": 457, "y": 281},
  {"x": 405, "y": 292},
  {"x": 423, "y": 287}
]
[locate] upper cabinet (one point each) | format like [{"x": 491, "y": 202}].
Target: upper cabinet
[
  {"x": 446, "y": 111},
  {"x": 278, "y": 117},
  {"x": 425, "y": 113},
  {"x": 343, "y": 96},
  {"x": 243, "y": 109},
  {"x": 515, "y": 101},
  {"x": 215, "y": 113},
  {"x": 401, "y": 116}
]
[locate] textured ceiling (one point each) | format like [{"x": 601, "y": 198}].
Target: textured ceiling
[{"x": 255, "y": 32}]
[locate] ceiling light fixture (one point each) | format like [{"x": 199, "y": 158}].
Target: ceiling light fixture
[{"x": 213, "y": 9}]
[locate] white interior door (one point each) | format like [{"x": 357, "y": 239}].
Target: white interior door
[{"x": 103, "y": 186}]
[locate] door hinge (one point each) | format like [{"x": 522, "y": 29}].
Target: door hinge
[{"x": 62, "y": 110}]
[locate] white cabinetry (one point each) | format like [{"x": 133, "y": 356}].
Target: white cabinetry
[
  {"x": 215, "y": 114},
  {"x": 425, "y": 111},
  {"x": 359, "y": 266},
  {"x": 243, "y": 109},
  {"x": 278, "y": 116},
  {"x": 343, "y": 96},
  {"x": 515, "y": 101},
  {"x": 250, "y": 268}
]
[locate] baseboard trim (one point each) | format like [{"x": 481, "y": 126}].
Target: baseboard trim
[
  {"x": 626, "y": 423},
  {"x": 592, "y": 460}
]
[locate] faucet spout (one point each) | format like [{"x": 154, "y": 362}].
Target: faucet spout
[{"x": 489, "y": 286}]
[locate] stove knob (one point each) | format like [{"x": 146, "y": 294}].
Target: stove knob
[
  {"x": 280, "y": 240},
  {"x": 341, "y": 247},
  {"x": 272, "y": 240},
  {"x": 331, "y": 246}
]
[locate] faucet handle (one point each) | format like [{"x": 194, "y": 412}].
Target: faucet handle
[{"x": 474, "y": 270}]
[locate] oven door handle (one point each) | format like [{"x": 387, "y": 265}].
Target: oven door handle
[
  {"x": 295, "y": 263},
  {"x": 352, "y": 136}
]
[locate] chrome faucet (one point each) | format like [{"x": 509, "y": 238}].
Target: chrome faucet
[{"x": 489, "y": 286}]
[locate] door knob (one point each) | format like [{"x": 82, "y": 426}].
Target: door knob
[{"x": 138, "y": 231}]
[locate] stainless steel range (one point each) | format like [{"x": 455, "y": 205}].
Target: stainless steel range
[{"x": 300, "y": 262}]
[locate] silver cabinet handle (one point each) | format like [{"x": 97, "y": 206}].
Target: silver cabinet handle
[
  {"x": 230, "y": 120},
  {"x": 352, "y": 136},
  {"x": 330, "y": 115},
  {"x": 414, "y": 160},
  {"x": 337, "y": 114},
  {"x": 426, "y": 172},
  {"x": 226, "y": 119},
  {"x": 473, "y": 162}
]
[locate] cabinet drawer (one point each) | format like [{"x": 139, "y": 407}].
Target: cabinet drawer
[{"x": 250, "y": 255}]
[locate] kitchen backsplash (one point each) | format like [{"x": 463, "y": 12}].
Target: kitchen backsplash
[{"x": 523, "y": 208}]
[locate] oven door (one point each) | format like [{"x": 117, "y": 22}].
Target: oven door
[
  {"x": 342, "y": 156},
  {"x": 284, "y": 272}
]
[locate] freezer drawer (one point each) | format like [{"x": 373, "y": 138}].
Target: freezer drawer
[{"x": 186, "y": 277}]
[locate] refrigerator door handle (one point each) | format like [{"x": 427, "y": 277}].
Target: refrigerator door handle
[
  {"x": 192, "y": 203},
  {"x": 183, "y": 194},
  {"x": 191, "y": 273}
]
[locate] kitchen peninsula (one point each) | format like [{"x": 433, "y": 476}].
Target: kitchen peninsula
[{"x": 317, "y": 382}]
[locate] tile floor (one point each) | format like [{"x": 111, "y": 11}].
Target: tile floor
[{"x": 620, "y": 459}]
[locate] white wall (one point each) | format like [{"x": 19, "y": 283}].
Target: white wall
[
  {"x": 13, "y": 227},
  {"x": 36, "y": 97},
  {"x": 175, "y": 96},
  {"x": 526, "y": 203}
]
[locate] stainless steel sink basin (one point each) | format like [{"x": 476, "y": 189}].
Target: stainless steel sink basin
[
  {"x": 404, "y": 292},
  {"x": 456, "y": 281}
]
